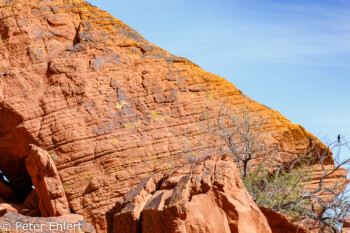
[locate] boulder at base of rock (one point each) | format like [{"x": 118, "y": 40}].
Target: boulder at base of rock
[
  {"x": 346, "y": 225},
  {"x": 279, "y": 223},
  {"x": 7, "y": 208},
  {"x": 205, "y": 197},
  {"x": 68, "y": 223},
  {"x": 47, "y": 183}
]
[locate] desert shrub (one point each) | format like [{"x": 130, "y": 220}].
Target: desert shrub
[{"x": 284, "y": 186}]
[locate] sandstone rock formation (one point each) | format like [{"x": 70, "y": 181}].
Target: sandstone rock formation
[
  {"x": 280, "y": 224},
  {"x": 346, "y": 226},
  {"x": 7, "y": 208},
  {"x": 28, "y": 208},
  {"x": 17, "y": 223},
  {"x": 108, "y": 106},
  {"x": 206, "y": 197},
  {"x": 31, "y": 205},
  {"x": 48, "y": 185}
]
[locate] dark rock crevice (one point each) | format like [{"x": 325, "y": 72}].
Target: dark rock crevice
[
  {"x": 76, "y": 39},
  {"x": 15, "y": 181},
  {"x": 19, "y": 184},
  {"x": 14, "y": 142}
]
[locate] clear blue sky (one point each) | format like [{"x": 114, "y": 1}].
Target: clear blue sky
[{"x": 293, "y": 56}]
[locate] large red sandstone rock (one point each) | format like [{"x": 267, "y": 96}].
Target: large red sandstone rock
[
  {"x": 31, "y": 205},
  {"x": 280, "y": 224},
  {"x": 207, "y": 197},
  {"x": 110, "y": 107},
  {"x": 48, "y": 185},
  {"x": 7, "y": 208}
]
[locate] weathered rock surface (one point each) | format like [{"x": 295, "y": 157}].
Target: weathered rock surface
[
  {"x": 22, "y": 208},
  {"x": 6, "y": 207},
  {"x": 346, "y": 225},
  {"x": 32, "y": 202},
  {"x": 207, "y": 197},
  {"x": 13, "y": 222},
  {"x": 337, "y": 179},
  {"x": 280, "y": 224},
  {"x": 110, "y": 107},
  {"x": 48, "y": 185}
]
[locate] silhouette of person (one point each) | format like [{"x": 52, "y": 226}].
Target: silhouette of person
[{"x": 338, "y": 138}]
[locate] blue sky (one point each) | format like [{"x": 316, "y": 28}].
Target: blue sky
[{"x": 293, "y": 56}]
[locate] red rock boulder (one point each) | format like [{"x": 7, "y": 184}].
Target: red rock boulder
[
  {"x": 47, "y": 183},
  {"x": 6, "y": 207},
  {"x": 207, "y": 197},
  {"x": 280, "y": 224}
]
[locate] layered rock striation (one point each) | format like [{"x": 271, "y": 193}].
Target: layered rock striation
[{"x": 109, "y": 107}]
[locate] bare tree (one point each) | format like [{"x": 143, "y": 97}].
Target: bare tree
[
  {"x": 285, "y": 187},
  {"x": 242, "y": 132}
]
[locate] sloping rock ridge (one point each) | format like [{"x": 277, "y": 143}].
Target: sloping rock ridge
[
  {"x": 109, "y": 107},
  {"x": 280, "y": 224}
]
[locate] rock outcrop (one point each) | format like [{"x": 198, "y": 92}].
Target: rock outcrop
[
  {"x": 48, "y": 186},
  {"x": 206, "y": 197},
  {"x": 28, "y": 208},
  {"x": 346, "y": 226},
  {"x": 109, "y": 107},
  {"x": 31, "y": 205},
  {"x": 280, "y": 224},
  {"x": 7, "y": 208}
]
